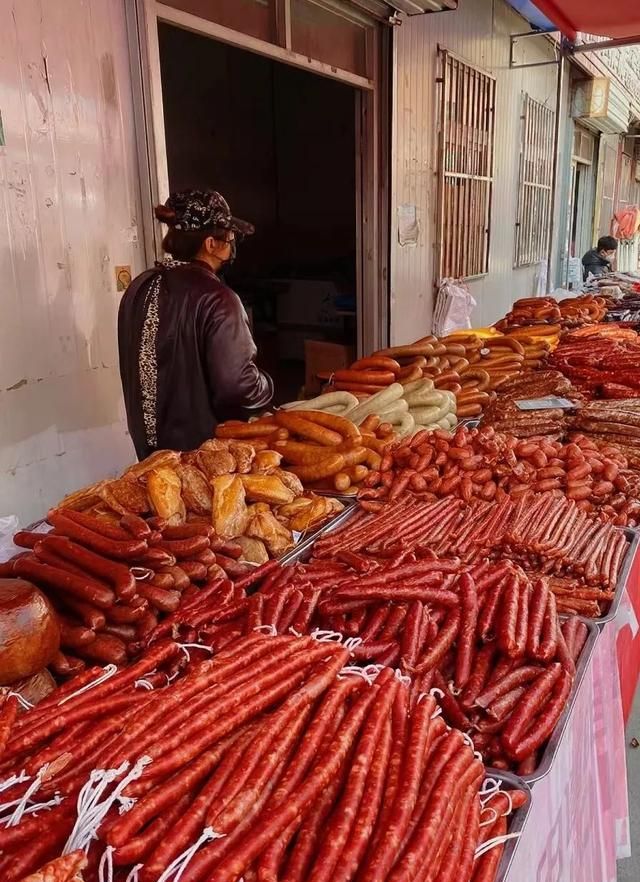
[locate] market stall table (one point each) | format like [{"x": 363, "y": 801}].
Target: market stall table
[{"x": 578, "y": 826}]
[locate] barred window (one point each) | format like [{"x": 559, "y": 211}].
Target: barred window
[
  {"x": 466, "y": 124},
  {"x": 536, "y": 182}
]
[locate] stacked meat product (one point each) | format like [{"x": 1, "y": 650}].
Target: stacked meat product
[
  {"x": 571, "y": 312},
  {"x": 111, "y": 583},
  {"x": 603, "y": 364},
  {"x": 486, "y": 465},
  {"x": 548, "y": 536},
  {"x": 270, "y": 760},
  {"x": 506, "y": 416}
]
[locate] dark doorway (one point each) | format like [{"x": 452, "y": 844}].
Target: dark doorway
[{"x": 280, "y": 144}]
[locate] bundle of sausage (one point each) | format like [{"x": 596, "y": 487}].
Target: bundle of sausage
[
  {"x": 572, "y": 312},
  {"x": 406, "y": 409},
  {"x": 603, "y": 364},
  {"x": 466, "y": 364},
  {"x": 545, "y": 534},
  {"x": 110, "y": 584},
  {"x": 531, "y": 311},
  {"x": 505, "y": 415},
  {"x": 440, "y": 620},
  {"x": 496, "y": 359},
  {"x": 323, "y": 450},
  {"x": 271, "y": 759},
  {"x": 484, "y": 464},
  {"x": 610, "y": 422}
]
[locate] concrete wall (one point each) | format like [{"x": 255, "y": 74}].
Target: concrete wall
[
  {"x": 68, "y": 216},
  {"x": 478, "y": 32}
]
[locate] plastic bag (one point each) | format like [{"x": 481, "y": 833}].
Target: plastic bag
[
  {"x": 540, "y": 280},
  {"x": 454, "y": 305},
  {"x": 626, "y": 223},
  {"x": 9, "y": 526}
]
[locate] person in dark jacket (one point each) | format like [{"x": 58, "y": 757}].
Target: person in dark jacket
[
  {"x": 597, "y": 261},
  {"x": 187, "y": 357}
]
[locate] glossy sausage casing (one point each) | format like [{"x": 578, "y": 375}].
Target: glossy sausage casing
[{"x": 29, "y": 631}]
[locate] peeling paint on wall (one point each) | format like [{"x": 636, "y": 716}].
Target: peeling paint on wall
[{"x": 68, "y": 215}]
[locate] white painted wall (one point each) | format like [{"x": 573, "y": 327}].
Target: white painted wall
[
  {"x": 479, "y": 33},
  {"x": 68, "y": 216}
]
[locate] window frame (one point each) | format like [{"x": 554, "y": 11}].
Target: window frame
[
  {"x": 466, "y": 157},
  {"x": 535, "y": 183}
]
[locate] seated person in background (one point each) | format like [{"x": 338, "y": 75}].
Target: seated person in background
[{"x": 597, "y": 261}]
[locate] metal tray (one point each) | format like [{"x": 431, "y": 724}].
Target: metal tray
[
  {"x": 550, "y": 751},
  {"x": 347, "y": 498},
  {"x": 634, "y": 536},
  {"x": 303, "y": 549},
  {"x": 517, "y": 820}
]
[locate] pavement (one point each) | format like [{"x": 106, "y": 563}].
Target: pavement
[{"x": 629, "y": 870}]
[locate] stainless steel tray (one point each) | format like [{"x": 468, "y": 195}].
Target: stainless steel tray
[
  {"x": 550, "y": 751},
  {"x": 517, "y": 820},
  {"x": 303, "y": 549},
  {"x": 347, "y": 498},
  {"x": 634, "y": 536}
]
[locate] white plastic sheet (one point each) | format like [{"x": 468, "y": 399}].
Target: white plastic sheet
[
  {"x": 454, "y": 305},
  {"x": 9, "y": 525}
]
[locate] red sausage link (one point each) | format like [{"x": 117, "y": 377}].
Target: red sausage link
[
  {"x": 117, "y": 574},
  {"x": 84, "y": 589},
  {"x": 118, "y": 548}
]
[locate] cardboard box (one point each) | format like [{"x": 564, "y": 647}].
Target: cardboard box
[{"x": 319, "y": 355}]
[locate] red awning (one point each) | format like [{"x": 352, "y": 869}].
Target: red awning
[{"x": 603, "y": 18}]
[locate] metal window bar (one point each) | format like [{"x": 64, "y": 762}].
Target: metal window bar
[
  {"x": 536, "y": 183},
  {"x": 466, "y": 128}
]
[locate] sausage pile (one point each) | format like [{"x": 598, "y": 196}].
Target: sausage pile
[
  {"x": 401, "y": 410},
  {"x": 323, "y": 450},
  {"x": 270, "y": 760},
  {"x": 572, "y": 312},
  {"x": 484, "y": 464},
  {"x": 547, "y": 535},
  {"x": 466, "y": 364},
  {"x": 110, "y": 584},
  {"x": 440, "y": 621},
  {"x": 505, "y": 416},
  {"x": 238, "y": 487},
  {"x": 602, "y": 365}
]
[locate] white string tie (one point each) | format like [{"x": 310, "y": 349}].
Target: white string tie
[
  {"x": 22, "y": 701},
  {"x": 91, "y": 810},
  {"x": 15, "y": 779},
  {"x": 491, "y": 843},
  {"x": 177, "y": 867},
  {"x": 105, "y": 869},
  {"x": 185, "y": 647},
  {"x": 326, "y": 636},
  {"x": 352, "y": 670},
  {"x": 143, "y": 684},
  {"x": 109, "y": 671},
  {"x": 22, "y": 804}
]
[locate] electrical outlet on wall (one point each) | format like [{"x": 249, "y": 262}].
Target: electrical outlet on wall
[{"x": 123, "y": 277}]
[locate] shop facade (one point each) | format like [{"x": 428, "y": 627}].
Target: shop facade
[{"x": 383, "y": 150}]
